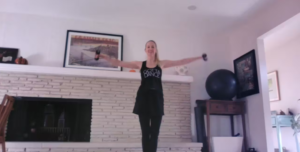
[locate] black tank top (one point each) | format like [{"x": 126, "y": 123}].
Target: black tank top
[
  {"x": 149, "y": 99},
  {"x": 151, "y": 78}
]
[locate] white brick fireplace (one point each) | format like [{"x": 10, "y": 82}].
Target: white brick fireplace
[{"x": 113, "y": 126}]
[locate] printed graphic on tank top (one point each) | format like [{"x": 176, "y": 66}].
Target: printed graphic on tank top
[{"x": 149, "y": 99}]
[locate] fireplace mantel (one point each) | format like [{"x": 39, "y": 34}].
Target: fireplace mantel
[{"x": 87, "y": 73}]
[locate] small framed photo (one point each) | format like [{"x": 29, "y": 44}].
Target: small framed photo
[
  {"x": 8, "y": 55},
  {"x": 83, "y": 50},
  {"x": 246, "y": 73},
  {"x": 274, "y": 93}
]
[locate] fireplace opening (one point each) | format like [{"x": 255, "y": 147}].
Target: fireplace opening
[{"x": 50, "y": 119}]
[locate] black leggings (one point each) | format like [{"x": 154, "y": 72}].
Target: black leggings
[{"x": 150, "y": 126}]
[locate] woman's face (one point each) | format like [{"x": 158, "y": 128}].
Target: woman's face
[{"x": 150, "y": 49}]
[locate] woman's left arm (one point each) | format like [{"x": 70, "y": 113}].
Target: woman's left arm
[{"x": 172, "y": 63}]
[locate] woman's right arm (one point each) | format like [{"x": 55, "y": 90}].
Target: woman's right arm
[{"x": 116, "y": 62}]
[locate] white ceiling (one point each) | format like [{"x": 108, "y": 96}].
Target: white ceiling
[
  {"x": 283, "y": 34},
  {"x": 210, "y": 15}
]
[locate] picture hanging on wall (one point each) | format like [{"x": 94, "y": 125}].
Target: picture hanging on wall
[
  {"x": 273, "y": 84},
  {"x": 83, "y": 50},
  {"x": 8, "y": 55},
  {"x": 246, "y": 73}
]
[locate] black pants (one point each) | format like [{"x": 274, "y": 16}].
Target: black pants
[{"x": 150, "y": 126}]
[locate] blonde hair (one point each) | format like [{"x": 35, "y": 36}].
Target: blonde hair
[{"x": 157, "y": 61}]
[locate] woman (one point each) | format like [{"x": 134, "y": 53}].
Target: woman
[{"x": 149, "y": 103}]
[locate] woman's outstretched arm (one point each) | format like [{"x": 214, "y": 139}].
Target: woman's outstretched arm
[
  {"x": 116, "y": 62},
  {"x": 172, "y": 63}
]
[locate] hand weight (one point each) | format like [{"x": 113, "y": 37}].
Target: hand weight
[
  {"x": 97, "y": 54},
  {"x": 204, "y": 57}
]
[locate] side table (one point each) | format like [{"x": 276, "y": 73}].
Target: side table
[{"x": 217, "y": 107}]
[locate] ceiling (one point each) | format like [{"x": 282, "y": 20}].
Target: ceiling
[
  {"x": 210, "y": 15},
  {"x": 283, "y": 34}
]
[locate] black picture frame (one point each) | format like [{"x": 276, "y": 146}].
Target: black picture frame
[
  {"x": 8, "y": 55},
  {"x": 245, "y": 70},
  {"x": 82, "y": 46}
]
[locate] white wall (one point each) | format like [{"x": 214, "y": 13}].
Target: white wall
[
  {"x": 42, "y": 41},
  {"x": 285, "y": 60},
  {"x": 1, "y": 28},
  {"x": 244, "y": 39},
  {"x": 288, "y": 75}
]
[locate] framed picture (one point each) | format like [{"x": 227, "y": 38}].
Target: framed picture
[
  {"x": 8, "y": 55},
  {"x": 83, "y": 50},
  {"x": 274, "y": 94},
  {"x": 246, "y": 74}
]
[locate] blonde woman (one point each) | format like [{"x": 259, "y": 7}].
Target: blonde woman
[{"x": 149, "y": 103}]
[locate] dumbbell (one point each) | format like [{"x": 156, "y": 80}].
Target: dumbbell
[
  {"x": 97, "y": 55},
  {"x": 204, "y": 57}
]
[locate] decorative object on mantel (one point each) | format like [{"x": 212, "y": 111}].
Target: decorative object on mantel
[
  {"x": 181, "y": 70},
  {"x": 246, "y": 74},
  {"x": 8, "y": 55},
  {"x": 274, "y": 94},
  {"x": 21, "y": 60},
  {"x": 221, "y": 85},
  {"x": 84, "y": 48}
]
